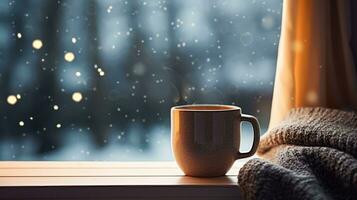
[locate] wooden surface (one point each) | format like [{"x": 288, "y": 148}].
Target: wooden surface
[{"x": 111, "y": 180}]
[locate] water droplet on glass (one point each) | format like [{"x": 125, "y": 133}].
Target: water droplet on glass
[
  {"x": 69, "y": 56},
  {"x": 12, "y": 100},
  {"x": 246, "y": 38},
  {"x": 37, "y": 44},
  {"x": 55, "y": 107},
  {"x": 77, "y": 97}
]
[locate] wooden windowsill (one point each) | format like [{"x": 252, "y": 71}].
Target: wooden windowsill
[{"x": 107, "y": 180}]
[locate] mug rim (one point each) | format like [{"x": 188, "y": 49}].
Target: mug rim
[{"x": 190, "y": 108}]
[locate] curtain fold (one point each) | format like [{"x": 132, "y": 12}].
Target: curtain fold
[{"x": 315, "y": 61}]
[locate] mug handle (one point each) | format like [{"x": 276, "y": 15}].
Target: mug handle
[{"x": 251, "y": 119}]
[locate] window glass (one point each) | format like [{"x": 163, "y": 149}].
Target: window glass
[{"x": 95, "y": 79}]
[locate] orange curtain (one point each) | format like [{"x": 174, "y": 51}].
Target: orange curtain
[{"x": 315, "y": 62}]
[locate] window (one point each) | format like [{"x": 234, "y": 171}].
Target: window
[{"x": 95, "y": 80}]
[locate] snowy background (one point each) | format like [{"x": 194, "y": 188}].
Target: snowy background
[{"x": 94, "y": 80}]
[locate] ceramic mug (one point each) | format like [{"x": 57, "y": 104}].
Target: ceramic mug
[{"x": 206, "y": 138}]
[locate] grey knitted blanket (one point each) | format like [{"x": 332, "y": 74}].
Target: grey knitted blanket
[{"x": 312, "y": 154}]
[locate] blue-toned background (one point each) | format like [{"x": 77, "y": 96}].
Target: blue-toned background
[{"x": 94, "y": 80}]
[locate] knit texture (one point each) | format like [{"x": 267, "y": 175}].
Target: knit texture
[{"x": 312, "y": 154}]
